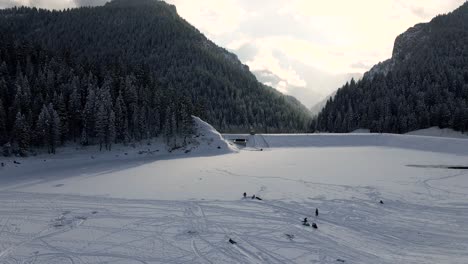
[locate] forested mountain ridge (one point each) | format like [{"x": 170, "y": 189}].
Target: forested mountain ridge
[
  {"x": 424, "y": 84},
  {"x": 129, "y": 70}
]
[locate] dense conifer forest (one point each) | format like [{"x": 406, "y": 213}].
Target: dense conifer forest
[{"x": 127, "y": 71}]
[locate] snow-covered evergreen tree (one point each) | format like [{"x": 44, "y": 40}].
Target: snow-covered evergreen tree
[
  {"x": 22, "y": 134},
  {"x": 111, "y": 134},
  {"x": 3, "y": 123}
]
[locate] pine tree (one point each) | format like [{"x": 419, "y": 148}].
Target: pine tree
[
  {"x": 48, "y": 128},
  {"x": 186, "y": 123},
  {"x": 22, "y": 134},
  {"x": 3, "y": 128},
  {"x": 55, "y": 126},
  {"x": 89, "y": 117},
  {"x": 121, "y": 120},
  {"x": 102, "y": 124},
  {"x": 63, "y": 115},
  {"x": 75, "y": 111},
  {"x": 111, "y": 134},
  {"x": 143, "y": 123},
  {"x": 43, "y": 127}
]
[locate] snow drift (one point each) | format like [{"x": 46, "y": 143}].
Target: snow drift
[{"x": 208, "y": 138}]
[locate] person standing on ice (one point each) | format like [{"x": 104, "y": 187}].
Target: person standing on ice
[
  {"x": 316, "y": 212},
  {"x": 245, "y": 195}
]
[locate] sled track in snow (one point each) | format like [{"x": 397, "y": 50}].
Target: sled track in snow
[{"x": 100, "y": 230}]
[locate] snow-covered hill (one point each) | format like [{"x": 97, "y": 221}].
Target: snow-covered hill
[{"x": 184, "y": 207}]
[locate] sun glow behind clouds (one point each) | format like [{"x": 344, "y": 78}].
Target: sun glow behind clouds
[{"x": 333, "y": 38}]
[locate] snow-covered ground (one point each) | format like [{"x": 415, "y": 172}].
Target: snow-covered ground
[
  {"x": 361, "y": 130},
  {"x": 161, "y": 207},
  {"x": 438, "y": 132}
]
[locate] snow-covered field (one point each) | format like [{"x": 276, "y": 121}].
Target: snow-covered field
[{"x": 161, "y": 207}]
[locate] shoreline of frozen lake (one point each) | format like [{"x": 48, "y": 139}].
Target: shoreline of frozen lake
[{"x": 167, "y": 209}]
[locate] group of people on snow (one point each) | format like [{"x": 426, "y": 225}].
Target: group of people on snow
[
  {"x": 304, "y": 222},
  {"x": 253, "y": 197}
]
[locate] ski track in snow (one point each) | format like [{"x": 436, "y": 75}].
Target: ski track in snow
[
  {"x": 424, "y": 218},
  {"x": 108, "y": 230}
]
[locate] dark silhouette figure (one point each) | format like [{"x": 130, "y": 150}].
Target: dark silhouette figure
[
  {"x": 258, "y": 198},
  {"x": 253, "y": 196},
  {"x": 232, "y": 241},
  {"x": 3, "y": 164},
  {"x": 381, "y": 202},
  {"x": 314, "y": 225},
  {"x": 245, "y": 195},
  {"x": 305, "y": 222},
  {"x": 316, "y": 212}
]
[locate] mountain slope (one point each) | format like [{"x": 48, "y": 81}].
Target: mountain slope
[
  {"x": 133, "y": 62},
  {"x": 424, "y": 84},
  {"x": 315, "y": 109}
]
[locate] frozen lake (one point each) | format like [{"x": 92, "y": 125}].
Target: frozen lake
[{"x": 183, "y": 208}]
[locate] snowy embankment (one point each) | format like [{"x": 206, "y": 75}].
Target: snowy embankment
[
  {"x": 414, "y": 142},
  {"x": 76, "y": 160},
  {"x": 184, "y": 207}
]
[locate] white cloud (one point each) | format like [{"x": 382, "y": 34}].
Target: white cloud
[
  {"x": 238, "y": 43},
  {"x": 49, "y": 4},
  {"x": 213, "y": 17},
  {"x": 266, "y": 61}
]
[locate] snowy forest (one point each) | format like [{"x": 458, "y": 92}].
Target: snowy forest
[
  {"x": 124, "y": 72},
  {"x": 425, "y": 84},
  {"x": 45, "y": 101}
]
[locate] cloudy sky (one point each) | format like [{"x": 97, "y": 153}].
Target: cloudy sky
[{"x": 306, "y": 48}]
